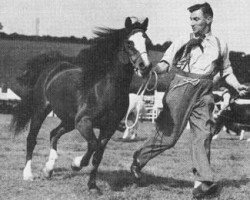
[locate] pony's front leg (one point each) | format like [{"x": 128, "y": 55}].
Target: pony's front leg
[
  {"x": 85, "y": 128},
  {"x": 103, "y": 139}
]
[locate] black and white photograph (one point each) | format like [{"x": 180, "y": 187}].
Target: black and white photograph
[{"x": 124, "y": 99}]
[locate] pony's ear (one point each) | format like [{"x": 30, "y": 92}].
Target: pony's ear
[
  {"x": 144, "y": 25},
  {"x": 128, "y": 22}
]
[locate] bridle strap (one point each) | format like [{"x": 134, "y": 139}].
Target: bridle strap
[{"x": 133, "y": 62}]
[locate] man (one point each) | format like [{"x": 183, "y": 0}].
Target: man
[{"x": 191, "y": 63}]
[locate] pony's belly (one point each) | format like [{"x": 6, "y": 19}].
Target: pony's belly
[{"x": 63, "y": 93}]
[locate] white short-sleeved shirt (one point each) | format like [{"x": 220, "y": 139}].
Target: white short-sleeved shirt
[{"x": 203, "y": 62}]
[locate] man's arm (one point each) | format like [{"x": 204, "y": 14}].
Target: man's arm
[
  {"x": 227, "y": 72},
  {"x": 164, "y": 64},
  {"x": 232, "y": 81}
]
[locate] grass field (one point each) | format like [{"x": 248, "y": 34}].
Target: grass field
[{"x": 168, "y": 176}]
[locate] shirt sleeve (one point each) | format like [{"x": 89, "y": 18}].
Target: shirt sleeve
[
  {"x": 226, "y": 65},
  {"x": 172, "y": 50}
]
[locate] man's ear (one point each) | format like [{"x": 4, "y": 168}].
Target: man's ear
[{"x": 209, "y": 19}]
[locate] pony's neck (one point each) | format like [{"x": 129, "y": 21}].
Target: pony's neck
[{"x": 123, "y": 74}]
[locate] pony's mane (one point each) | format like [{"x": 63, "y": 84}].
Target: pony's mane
[
  {"x": 102, "y": 47},
  {"x": 97, "y": 60}
]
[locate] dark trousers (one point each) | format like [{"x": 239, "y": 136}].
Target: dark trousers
[{"x": 185, "y": 99}]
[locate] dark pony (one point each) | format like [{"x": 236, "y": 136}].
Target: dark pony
[{"x": 85, "y": 92}]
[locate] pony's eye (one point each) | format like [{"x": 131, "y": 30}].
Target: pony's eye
[{"x": 130, "y": 44}]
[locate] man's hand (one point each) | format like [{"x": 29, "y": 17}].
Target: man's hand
[
  {"x": 242, "y": 89},
  {"x": 161, "y": 67}
]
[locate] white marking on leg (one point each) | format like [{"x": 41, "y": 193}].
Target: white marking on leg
[
  {"x": 215, "y": 137},
  {"x": 133, "y": 136},
  {"x": 27, "y": 173},
  {"x": 242, "y": 134},
  {"x": 53, "y": 156},
  {"x": 126, "y": 133},
  {"x": 197, "y": 184},
  {"x": 77, "y": 161}
]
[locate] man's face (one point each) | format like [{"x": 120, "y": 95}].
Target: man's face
[{"x": 200, "y": 23}]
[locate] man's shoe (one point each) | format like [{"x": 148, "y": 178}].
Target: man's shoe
[{"x": 204, "y": 190}]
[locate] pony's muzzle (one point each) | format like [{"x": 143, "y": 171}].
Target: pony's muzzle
[{"x": 146, "y": 70}]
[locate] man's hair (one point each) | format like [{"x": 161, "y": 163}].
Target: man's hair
[{"x": 205, "y": 7}]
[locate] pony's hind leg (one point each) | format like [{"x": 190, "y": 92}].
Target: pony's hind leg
[
  {"x": 35, "y": 125},
  {"x": 85, "y": 128},
  {"x": 55, "y": 135}
]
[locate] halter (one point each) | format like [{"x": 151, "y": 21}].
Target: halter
[{"x": 133, "y": 62}]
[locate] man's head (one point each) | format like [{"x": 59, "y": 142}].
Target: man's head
[{"x": 201, "y": 18}]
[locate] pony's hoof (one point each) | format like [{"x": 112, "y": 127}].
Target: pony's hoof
[
  {"x": 47, "y": 173},
  {"x": 76, "y": 164},
  {"x": 75, "y": 168},
  {"x": 27, "y": 175},
  {"x": 28, "y": 178},
  {"x": 215, "y": 137}
]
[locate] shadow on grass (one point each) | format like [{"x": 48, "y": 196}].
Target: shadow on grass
[
  {"x": 128, "y": 140},
  {"x": 61, "y": 169},
  {"x": 235, "y": 183},
  {"x": 121, "y": 178},
  {"x": 117, "y": 180}
]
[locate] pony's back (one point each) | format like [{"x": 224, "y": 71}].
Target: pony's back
[{"x": 36, "y": 65}]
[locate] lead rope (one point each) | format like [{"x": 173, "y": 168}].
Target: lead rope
[{"x": 140, "y": 94}]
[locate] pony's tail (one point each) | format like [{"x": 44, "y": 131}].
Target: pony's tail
[{"x": 22, "y": 113}]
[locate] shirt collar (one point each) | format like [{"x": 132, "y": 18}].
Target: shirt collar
[{"x": 207, "y": 35}]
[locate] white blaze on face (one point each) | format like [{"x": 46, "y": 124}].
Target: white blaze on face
[{"x": 140, "y": 45}]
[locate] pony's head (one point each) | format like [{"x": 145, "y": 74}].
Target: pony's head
[
  {"x": 135, "y": 45},
  {"x": 116, "y": 49}
]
